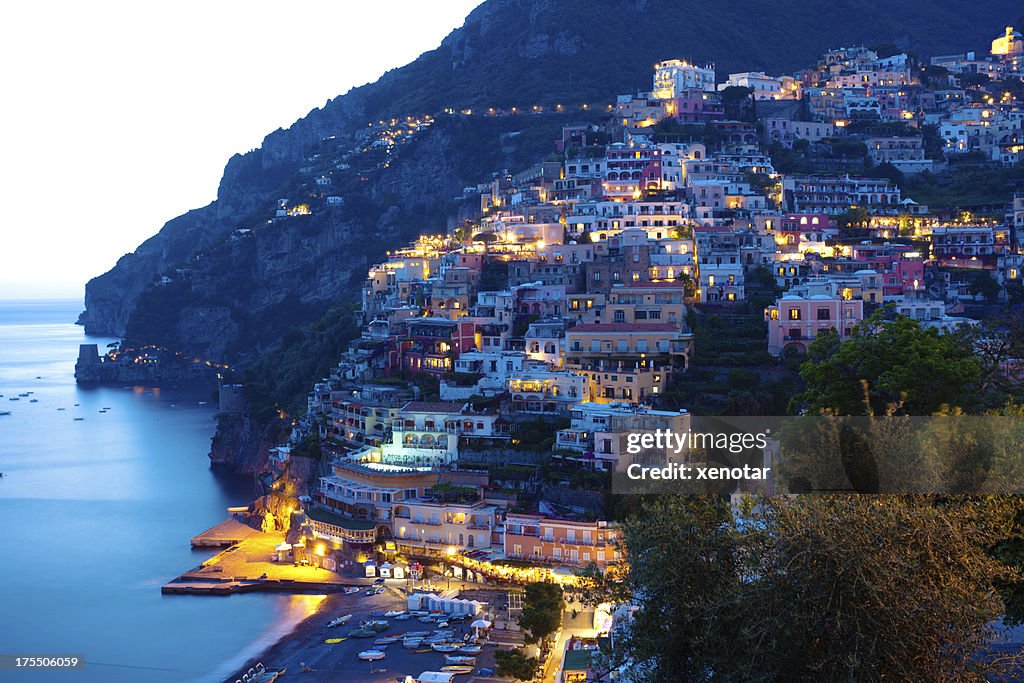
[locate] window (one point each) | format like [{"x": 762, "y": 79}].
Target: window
[
  {"x": 794, "y": 314},
  {"x": 823, "y": 314},
  {"x": 620, "y": 316}
]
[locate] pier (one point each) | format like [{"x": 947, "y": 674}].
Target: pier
[
  {"x": 248, "y": 563},
  {"x": 224, "y": 535}
]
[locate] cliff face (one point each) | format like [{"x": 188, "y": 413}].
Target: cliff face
[{"x": 232, "y": 298}]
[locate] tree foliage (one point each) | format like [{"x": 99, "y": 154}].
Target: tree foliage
[
  {"x": 515, "y": 664},
  {"x": 543, "y": 604},
  {"x": 889, "y": 366},
  {"x": 829, "y": 588}
]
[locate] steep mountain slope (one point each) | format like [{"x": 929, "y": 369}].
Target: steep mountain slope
[{"x": 232, "y": 295}]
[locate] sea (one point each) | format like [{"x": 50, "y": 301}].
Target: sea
[{"x": 102, "y": 489}]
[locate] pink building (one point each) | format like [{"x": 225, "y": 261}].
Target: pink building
[
  {"x": 798, "y": 318},
  {"x": 631, "y": 170}
]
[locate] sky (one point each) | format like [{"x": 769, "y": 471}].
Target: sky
[{"x": 118, "y": 116}]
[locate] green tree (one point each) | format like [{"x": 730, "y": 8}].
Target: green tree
[
  {"x": 515, "y": 664},
  {"x": 830, "y": 588},
  {"x": 889, "y": 367},
  {"x": 543, "y": 605}
]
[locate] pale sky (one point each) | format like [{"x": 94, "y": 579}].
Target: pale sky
[{"x": 117, "y": 116}]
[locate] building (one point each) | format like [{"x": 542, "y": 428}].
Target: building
[
  {"x": 436, "y": 528},
  {"x": 795, "y": 320},
  {"x": 629, "y": 362},
  {"x": 835, "y": 195},
  {"x": 560, "y": 541},
  {"x": 673, "y": 77}
]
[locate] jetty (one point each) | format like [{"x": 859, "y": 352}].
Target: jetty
[{"x": 224, "y": 535}]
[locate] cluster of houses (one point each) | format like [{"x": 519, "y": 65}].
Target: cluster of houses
[{"x": 570, "y": 296}]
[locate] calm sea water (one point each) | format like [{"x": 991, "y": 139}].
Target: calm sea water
[{"x": 97, "y": 514}]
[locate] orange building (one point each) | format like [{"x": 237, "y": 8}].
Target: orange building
[{"x": 559, "y": 541}]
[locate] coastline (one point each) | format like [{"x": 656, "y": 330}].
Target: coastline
[{"x": 284, "y": 641}]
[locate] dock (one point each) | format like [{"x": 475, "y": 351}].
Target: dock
[
  {"x": 247, "y": 562},
  {"x": 224, "y": 535}
]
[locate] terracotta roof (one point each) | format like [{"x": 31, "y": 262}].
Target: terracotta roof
[
  {"x": 433, "y": 407},
  {"x": 624, "y": 327}
]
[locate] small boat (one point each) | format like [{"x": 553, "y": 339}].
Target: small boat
[
  {"x": 426, "y": 620},
  {"x": 457, "y": 669},
  {"x": 459, "y": 659},
  {"x": 79, "y": 419},
  {"x": 442, "y": 624},
  {"x": 417, "y": 634},
  {"x": 61, "y": 408},
  {"x": 362, "y": 633},
  {"x": 470, "y": 649},
  {"x": 5, "y": 412},
  {"x": 444, "y": 647},
  {"x": 339, "y": 621},
  {"x": 377, "y": 613},
  {"x": 335, "y": 641},
  {"x": 412, "y": 643},
  {"x": 23, "y": 395},
  {"x": 403, "y": 617},
  {"x": 419, "y": 613},
  {"x": 33, "y": 400},
  {"x": 394, "y": 613},
  {"x": 374, "y": 625},
  {"x": 371, "y": 655},
  {"x": 14, "y": 398},
  {"x": 387, "y": 640},
  {"x": 351, "y": 589},
  {"x": 261, "y": 674}
]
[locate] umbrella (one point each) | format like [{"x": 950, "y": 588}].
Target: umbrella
[{"x": 481, "y": 623}]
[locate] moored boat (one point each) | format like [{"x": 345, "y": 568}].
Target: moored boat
[
  {"x": 339, "y": 621},
  {"x": 444, "y": 647},
  {"x": 457, "y": 669},
  {"x": 371, "y": 655}
]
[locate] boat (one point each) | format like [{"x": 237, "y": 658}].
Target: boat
[
  {"x": 260, "y": 674},
  {"x": 374, "y": 625},
  {"x": 377, "y": 614},
  {"x": 394, "y": 613},
  {"x": 351, "y": 589},
  {"x": 444, "y": 647},
  {"x": 339, "y": 621},
  {"x": 419, "y": 612},
  {"x": 412, "y": 643},
  {"x": 426, "y": 620},
  {"x": 387, "y": 640},
  {"x": 417, "y": 634},
  {"x": 457, "y": 669},
  {"x": 79, "y": 419},
  {"x": 362, "y": 633},
  {"x": 371, "y": 655},
  {"x": 442, "y": 624},
  {"x": 335, "y": 641},
  {"x": 403, "y": 617},
  {"x": 459, "y": 659},
  {"x": 470, "y": 649},
  {"x": 5, "y": 412},
  {"x": 34, "y": 400}
]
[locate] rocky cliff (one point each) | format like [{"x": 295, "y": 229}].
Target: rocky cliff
[{"x": 202, "y": 286}]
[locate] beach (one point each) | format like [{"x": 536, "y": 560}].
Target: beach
[{"x": 305, "y": 646}]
